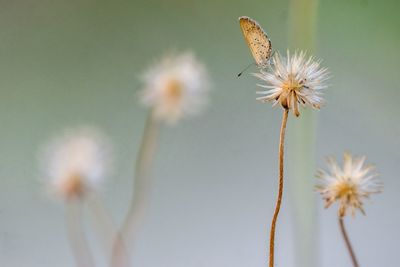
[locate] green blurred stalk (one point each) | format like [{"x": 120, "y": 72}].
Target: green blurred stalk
[
  {"x": 301, "y": 147},
  {"x": 302, "y": 24}
]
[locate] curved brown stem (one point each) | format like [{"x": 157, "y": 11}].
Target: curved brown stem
[
  {"x": 280, "y": 188},
  {"x": 348, "y": 244}
]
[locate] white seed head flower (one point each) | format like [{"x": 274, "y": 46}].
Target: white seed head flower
[
  {"x": 350, "y": 185},
  {"x": 76, "y": 162},
  {"x": 293, "y": 80},
  {"x": 175, "y": 87}
]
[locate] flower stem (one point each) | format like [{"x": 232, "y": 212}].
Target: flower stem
[
  {"x": 106, "y": 230},
  {"x": 280, "y": 188},
  {"x": 76, "y": 235},
  {"x": 347, "y": 241},
  {"x": 141, "y": 190},
  {"x": 302, "y": 35}
]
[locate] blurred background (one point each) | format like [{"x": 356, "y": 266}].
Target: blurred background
[{"x": 75, "y": 62}]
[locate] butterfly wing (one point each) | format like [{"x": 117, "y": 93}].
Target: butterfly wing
[{"x": 257, "y": 40}]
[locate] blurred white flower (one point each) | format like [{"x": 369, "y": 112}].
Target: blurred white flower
[
  {"x": 175, "y": 87},
  {"x": 293, "y": 81},
  {"x": 349, "y": 185},
  {"x": 76, "y": 162}
]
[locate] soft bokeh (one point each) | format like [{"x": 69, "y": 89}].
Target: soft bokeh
[{"x": 66, "y": 63}]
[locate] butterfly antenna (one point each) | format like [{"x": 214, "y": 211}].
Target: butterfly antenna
[{"x": 240, "y": 74}]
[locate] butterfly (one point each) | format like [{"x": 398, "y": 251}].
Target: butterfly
[{"x": 257, "y": 40}]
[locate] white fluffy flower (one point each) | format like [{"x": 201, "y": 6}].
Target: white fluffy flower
[
  {"x": 292, "y": 81},
  {"x": 349, "y": 185},
  {"x": 175, "y": 87},
  {"x": 76, "y": 162}
]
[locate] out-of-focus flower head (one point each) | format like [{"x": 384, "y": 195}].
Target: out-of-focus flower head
[
  {"x": 350, "y": 185},
  {"x": 175, "y": 87},
  {"x": 76, "y": 162}
]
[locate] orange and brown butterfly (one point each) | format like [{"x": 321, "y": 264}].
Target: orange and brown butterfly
[{"x": 257, "y": 40}]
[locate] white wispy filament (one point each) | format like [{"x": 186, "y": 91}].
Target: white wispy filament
[{"x": 293, "y": 81}]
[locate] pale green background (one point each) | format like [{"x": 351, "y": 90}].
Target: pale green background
[{"x": 67, "y": 63}]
